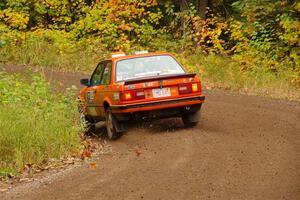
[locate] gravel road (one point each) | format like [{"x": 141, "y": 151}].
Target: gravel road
[{"x": 245, "y": 148}]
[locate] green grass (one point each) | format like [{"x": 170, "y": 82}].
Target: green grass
[
  {"x": 243, "y": 73},
  {"x": 51, "y": 49},
  {"x": 227, "y": 73},
  {"x": 46, "y": 55},
  {"x": 35, "y": 124}
]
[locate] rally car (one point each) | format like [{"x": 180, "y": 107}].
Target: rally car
[{"x": 143, "y": 86}]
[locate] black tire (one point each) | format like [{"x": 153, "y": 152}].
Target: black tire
[
  {"x": 112, "y": 126},
  {"x": 190, "y": 119}
]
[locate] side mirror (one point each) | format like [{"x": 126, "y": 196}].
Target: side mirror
[{"x": 85, "y": 82}]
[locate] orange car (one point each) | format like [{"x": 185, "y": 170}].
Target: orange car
[{"x": 141, "y": 86}]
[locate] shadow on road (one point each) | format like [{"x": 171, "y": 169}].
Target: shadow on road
[{"x": 152, "y": 127}]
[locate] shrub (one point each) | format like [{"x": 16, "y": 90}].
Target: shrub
[
  {"x": 225, "y": 72},
  {"x": 35, "y": 124}
]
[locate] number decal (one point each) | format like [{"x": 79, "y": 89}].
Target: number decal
[{"x": 90, "y": 96}]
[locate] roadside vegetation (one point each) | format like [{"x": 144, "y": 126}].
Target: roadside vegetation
[
  {"x": 251, "y": 46},
  {"x": 221, "y": 72},
  {"x": 35, "y": 124},
  {"x": 248, "y": 45}
]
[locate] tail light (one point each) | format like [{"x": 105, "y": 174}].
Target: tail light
[
  {"x": 185, "y": 88},
  {"x": 132, "y": 95},
  {"x": 195, "y": 87}
]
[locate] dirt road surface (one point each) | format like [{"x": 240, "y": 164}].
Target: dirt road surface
[{"x": 245, "y": 148}]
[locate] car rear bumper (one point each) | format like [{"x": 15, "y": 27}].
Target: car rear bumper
[{"x": 158, "y": 105}]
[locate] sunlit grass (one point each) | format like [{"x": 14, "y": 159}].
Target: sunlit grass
[
  {"x": 69, "y": 56},
  {"x": 226, "y": 73},
  {"x": 35, "y": 125},
  {"x": 248, "y": 74}
]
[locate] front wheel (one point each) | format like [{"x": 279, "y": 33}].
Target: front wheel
[
  {"x": 112, "y": 126},
  {"x": 190, "y": 119}
]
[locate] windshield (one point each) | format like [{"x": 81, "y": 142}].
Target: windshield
[{"x": 146, "y": 67}]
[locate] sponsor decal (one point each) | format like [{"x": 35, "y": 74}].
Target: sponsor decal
[
  {"x": 131, "y": 87},
  {"x": 90, "y": 96},
  {"x": 149, "y": 84},
  {"x": 116, "y": 96}
]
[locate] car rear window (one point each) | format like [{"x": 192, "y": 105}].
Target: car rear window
[{"x": 146, "y": 67}]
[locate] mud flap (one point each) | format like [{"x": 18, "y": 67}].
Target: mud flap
[
  {"x": 192, "y": 117},
  {"x": 119, "y": 126}
]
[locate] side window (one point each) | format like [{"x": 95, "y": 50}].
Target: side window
[
  {"x": 96, "y": 77},
  {"x": 106, "y": 74}
]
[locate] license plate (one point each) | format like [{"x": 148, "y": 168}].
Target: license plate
[{"x": 161, "y": 92}]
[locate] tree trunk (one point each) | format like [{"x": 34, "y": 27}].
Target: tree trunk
[
  {"x": 203, "y": 4},
  {"x": 201, "y": 10},
  {"x": 184, "y": 7}
]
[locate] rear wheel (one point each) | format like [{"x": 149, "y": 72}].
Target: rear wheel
[
  {"x": 112, "y": 126},
  {"x": 190, "y": 119}
]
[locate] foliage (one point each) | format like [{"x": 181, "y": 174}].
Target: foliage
[
  {"x": 35, "y": 125},
  {"x": 223, "y": 72},
  {"x": 118, "y": 23},
  {"x": 268, "y": 34},
  {"x": 74, "y": 34},
  {"x": 51, "y": 48},
  {"x": 115, "y": 24}
]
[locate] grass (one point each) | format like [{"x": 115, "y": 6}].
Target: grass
[
  {"x": 245, "y": 74},
  {"x": 43, "y": 54},
  {"x": 229, "y": 74},
  {"x": 35, "y": 124},
  {"x": 51, "y": 49}
]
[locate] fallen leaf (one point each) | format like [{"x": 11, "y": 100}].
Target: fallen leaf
[
  {"x": 24, "y": 180},
  {"x": 137, "y": 152},
  {"x": 47, "y": 167},
  {"x": 69, "y": 161},
  {"x": 28, "y": 169},
  {"x": 3, "y": 189},
  {"x": 93, "y": 166},
  {"x": 86, "y": 154}
]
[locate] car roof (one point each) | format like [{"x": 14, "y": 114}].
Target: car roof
[{"x": 139, "y": 55}]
